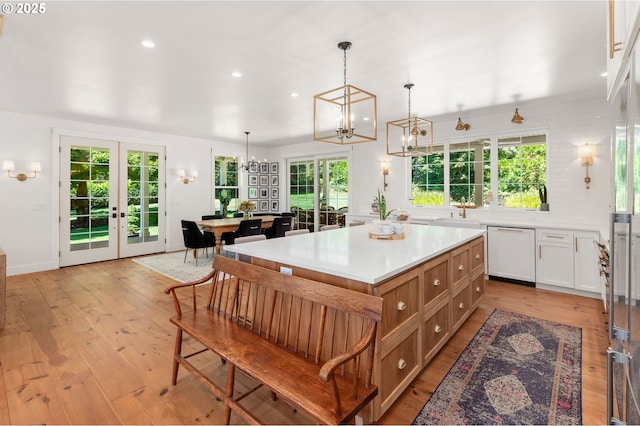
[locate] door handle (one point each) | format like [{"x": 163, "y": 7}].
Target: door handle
[
  {"x": 114, "y": 215},
  {"x": 122, "y": 214}
]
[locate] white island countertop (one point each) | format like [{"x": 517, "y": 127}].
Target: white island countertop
[{"x": 350, "y": 253}]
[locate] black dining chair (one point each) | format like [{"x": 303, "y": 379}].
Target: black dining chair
[
  {"x": 247, "y": 227},
  {"x": 193, "y": 239},
  {"x": 210, "y": 237},
  {"x": 279, "y": 227}
]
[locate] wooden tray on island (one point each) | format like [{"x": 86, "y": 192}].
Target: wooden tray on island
[{"x": 383, "y": 236}]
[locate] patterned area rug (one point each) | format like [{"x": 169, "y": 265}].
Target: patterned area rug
[
  {"x": 173, "y": 266},
  {"x": 516, "y": 370}
]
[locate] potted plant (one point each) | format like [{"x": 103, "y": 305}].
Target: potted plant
[
  {"x": 381, "y": 202},
  {"x": 542, "y": 192}
]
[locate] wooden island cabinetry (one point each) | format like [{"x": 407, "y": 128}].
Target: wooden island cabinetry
[
  {"x": 426, "y": 296},
  {"x": 422, "y": 309}
]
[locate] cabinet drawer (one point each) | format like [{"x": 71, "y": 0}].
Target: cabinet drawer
[
  {"x": 436, "y": 279},
  {"x": 477, "y": 253},
  {"x": 399, "y": 305},
  {"x": 461, "y": 305},
  {"x": 398, "y": 365},
  {"x": 555, "y": 236},
  {"x": 435, "y": 330},
  {"x": 460, "y": 263},
  {"x": 477, "y": 288}
]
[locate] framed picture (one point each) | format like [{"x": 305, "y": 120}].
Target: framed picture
[
  {"x": 253, "y": 168},
  {"x": 253, "y": 180},
  {"x": 275, "y": 205},
  {"x": 264, "y": 193},
  {"x": 275, "y": 180},
  {"x": 264, "y": 205},
  {"x": 253, "y": 193},
  {"x": 275, "y": 193},
  {"x": 264, "y": 168},
  {"x": 274, "y": 168},
  {"x": 264, "y": 180}
]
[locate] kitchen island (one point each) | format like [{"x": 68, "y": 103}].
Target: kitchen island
[{"x": 430, "y": 281}]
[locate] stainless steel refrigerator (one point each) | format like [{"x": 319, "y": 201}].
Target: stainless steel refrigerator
[{"x": 623, "y": 378}]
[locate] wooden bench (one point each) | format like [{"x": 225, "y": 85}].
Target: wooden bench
[{"x": 281, "y": 331}]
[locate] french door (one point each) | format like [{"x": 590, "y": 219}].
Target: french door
[
  {"x": 319, "y": 191},
  {"x": 112, "y": 200}
]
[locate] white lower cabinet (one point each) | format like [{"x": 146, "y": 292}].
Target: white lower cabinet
[
  {"x": 567, "y": 259},
  {"x": 586, "y": 271}
]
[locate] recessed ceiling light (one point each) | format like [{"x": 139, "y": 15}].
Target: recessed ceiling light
[
  {"x": 604, "y": 74},
  {"x": 294, "y": 94},
  {"x": 236, "y": 74},
  {"x": 365, "y": 118},
  {"x": 148, "y": 44}
]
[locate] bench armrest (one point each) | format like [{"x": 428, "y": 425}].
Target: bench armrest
[
  {"x": 193, "y": 284},
  {"x": 367, "y": 340}
]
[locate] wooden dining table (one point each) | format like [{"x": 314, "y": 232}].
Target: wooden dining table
[{"x": 228, "y": 224}]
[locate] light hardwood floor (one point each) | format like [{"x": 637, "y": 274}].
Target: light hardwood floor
[{"x": 92, "y": 344}]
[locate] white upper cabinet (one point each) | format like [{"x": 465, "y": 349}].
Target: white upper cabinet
[{"x": 622, "y": 31}]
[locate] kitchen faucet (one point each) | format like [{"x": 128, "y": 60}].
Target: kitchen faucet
[{"x": 463, "y": 213}]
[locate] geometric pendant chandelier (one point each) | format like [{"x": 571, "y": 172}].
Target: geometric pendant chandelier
[
  {"x": 411, "y": 136},
  {"x": 345, "y": 115}
]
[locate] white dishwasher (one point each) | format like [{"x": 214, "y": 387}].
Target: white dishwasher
[{"x": 512, "y": 254}]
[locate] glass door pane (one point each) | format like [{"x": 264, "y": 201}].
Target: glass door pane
[
  {"x": 142, "y": 223},
  {"x": 333, "y": 190},
  {"x": 88, "y": 200},
  {"x": 302, "y": 192},
  {"x": 319, "y": 191}
]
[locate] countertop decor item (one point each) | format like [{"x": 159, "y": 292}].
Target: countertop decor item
[
  {"x": 381, "y": 202},
  {"x": 247, "y": 206}
]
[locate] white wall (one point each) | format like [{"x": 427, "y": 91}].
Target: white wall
[{"x": 29, "y": 213}]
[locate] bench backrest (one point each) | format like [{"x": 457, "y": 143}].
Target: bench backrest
[{"x": 317, "y": 320}]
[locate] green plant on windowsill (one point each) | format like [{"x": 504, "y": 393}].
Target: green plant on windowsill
[
  {"x": 542, "y": 193},
  {"x": 381, "y": 202}
]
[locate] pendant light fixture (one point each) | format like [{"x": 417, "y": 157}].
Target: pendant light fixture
[
  {"x": 345, "y": 115},
  {"x": 250, "y": 165},
  {"x": 404, "y": 135},
  {"x": 517, "y": 118}
]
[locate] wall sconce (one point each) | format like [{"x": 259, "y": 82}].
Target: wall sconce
[
  {"x": 184, "y": 177},
  {"x": 9, "y": 167},
  {"x": 586, "y": 153},
  {"x": 462, "y": 126},
  {"x": 517, "y": 118},
  {"x": 385, "y": 172}
]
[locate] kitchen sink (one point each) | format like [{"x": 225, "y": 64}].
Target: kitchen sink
[{"x": 457, "y": 223}]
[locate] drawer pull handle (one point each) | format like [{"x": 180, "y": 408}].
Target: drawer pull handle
[
  {"x": 402, "y": 364},
  {"x": 437, "y": 329},
  {"x": 461, "y": 268},
  {"x": 478, "y": 289},
  {"x": 402, "y": 306},
  {"x": 478, "y": 256},
  {"x": 436, "y": 282},
  {"x": 461, "y": 305}
]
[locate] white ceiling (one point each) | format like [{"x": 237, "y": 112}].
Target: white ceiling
[{"x": 84, "y": 61}]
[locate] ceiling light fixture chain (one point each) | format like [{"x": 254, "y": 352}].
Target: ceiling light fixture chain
[{"x": 344, "y": 128}]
